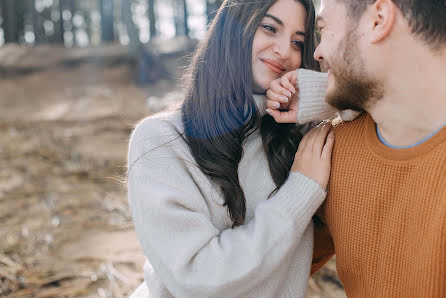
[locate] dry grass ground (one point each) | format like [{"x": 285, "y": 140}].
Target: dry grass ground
[{"x": 66, "y": 230}]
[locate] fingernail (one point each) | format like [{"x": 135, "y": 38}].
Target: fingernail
[
  {"x": 268, "y": 111},
  {"x": 277, "y": 104},
  {"x": 293, "y": 91},
  {"x": 285, "y": 99},
  {"x": 287, "y": 94}
]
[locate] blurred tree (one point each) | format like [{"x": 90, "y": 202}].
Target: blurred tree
[
  {"x": 185, "y": 17},
  {"x": 152, "y": 18},
  {"x": 181, "y": 16},
  {"x": 39, "y": 33},
  {"x": 61, "y": 30},
  {"x": 56, "y": 18},
  {"x": 73, "y": 13},
  {"x": 107, "y": 9},
  {"x": 9, "y": 17},
  {"x": 149, "y": 68},
  {"x": 20, "y": 19},
  {"x": 211, "y": 8}
]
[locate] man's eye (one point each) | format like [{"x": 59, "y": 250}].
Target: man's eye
[{"x": 269, "y": 28}]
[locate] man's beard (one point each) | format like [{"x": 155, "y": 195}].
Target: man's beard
[{"x": 354, "y": 89}]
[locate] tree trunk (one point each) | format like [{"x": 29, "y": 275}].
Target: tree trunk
[
  {"x": 60, "y": 28},
  {"x": 181, "y": 15},
  {"x": 152, "y": 18},
  {"x": 107, "y": 32},
  {"x": 178, "y": 17},
  {"x": 38, "y": 35},
  {"x": 185, "y": 16},
  {"x": 20, "y": 19},
  {"x": 73, "y": 12},
  {"x": 10, "y": 21},
  {"x": 149, "y": 67}
]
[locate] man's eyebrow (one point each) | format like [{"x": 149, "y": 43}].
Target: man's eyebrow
[{"x": 278, "y": 21}]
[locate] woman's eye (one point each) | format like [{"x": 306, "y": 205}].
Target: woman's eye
[
  {"x": 299, "y": 44},
  {"x": 269, "y": 28}
]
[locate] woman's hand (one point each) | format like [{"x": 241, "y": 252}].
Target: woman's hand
[
  {"x": 283, "y": 98},
  {"x": 313, "y": 158}
]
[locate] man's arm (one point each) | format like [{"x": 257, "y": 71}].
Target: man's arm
[{"x": 323, "y": 243}]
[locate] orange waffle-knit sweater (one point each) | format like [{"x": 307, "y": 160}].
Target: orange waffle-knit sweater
[{"x": 385, "y": 215}]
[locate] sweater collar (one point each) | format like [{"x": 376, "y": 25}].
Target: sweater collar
[
  {"x": 260, "y": 100},
  {"x": 400, "y": 154}
]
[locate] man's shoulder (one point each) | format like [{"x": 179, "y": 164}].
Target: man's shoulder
[{"x": 352, "y": 127}]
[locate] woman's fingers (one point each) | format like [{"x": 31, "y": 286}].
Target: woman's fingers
[
  {"x": 273, "y": 105},
  {"x": 287, "y": 80},
  {"x": 328, "y": 147},
  {"x": 274, "y": 96},
  {"x": 320, "y": 137},
  {"x": 303, "y": 143},
  {"x": 313, "y": 158},
  {"x": 282, "y": 116}
]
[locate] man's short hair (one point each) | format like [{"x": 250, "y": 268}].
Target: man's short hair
[{"x": 427, "y": 18}]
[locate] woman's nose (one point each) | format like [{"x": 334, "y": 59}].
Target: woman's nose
[{"x": 282, "y": 49}]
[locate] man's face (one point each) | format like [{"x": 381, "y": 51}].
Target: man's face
[{"x": 349, "y": 85}]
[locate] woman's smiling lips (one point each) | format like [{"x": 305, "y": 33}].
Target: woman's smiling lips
[{"x": 274, "y": 65}]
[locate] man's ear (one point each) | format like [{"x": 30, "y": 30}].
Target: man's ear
[{"x": 382, "y": 19}]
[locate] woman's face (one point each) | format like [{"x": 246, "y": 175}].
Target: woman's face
[{"x": 278, "y": 43}]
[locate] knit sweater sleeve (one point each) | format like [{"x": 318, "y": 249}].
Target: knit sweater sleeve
[
  {"x": 312, "y": 105},
  {"x": 191, "y": 256}
]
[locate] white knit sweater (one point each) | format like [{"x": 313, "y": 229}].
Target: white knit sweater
[{"x": 185, "y": 230}]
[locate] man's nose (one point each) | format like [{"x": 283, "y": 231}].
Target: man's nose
[{"x": 318, "y": 54}]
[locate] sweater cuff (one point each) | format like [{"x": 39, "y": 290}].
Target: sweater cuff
[
  {"x": 299, "y": 197},
  {"x": 348, "y": 115},
  {"x": 312, "y": 88}
]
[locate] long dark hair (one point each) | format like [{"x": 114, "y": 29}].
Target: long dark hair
[{"x": 219, "y": 111}]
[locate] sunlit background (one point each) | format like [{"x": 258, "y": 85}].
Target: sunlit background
[{"x": 78, "y": 23}]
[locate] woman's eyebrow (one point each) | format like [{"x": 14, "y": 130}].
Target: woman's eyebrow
[
  {"x": 278, "y": 21},
  {"x": 274, "y": 18}
]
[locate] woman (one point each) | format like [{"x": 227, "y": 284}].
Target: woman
[{"x": 215, "y": 206}]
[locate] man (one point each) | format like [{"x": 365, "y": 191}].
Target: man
[
  {"x": 386, "y": 209},
  {"x": 385, "y": 213}
]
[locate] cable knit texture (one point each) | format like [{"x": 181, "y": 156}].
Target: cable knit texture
[
  {"x": 386, "y": 212},
  {"x": 184, "y": 227},
  {"x": 312, "y": 106}
]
